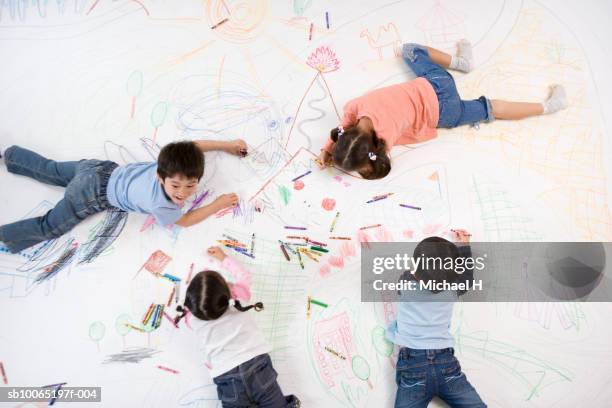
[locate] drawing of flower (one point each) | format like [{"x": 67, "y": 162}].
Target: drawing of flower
[{"x": 323, "y": 59}]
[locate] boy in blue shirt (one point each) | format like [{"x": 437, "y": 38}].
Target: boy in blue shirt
[
  {"x": 92, "y": 186},
  {"x": 426, "y": 365}
]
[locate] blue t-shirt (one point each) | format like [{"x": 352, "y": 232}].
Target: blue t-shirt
[
  {"x": 136, "y": 188},
  {"x": 423, "y": 323}
]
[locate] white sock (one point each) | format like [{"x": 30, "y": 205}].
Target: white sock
[
  {"x": 464, "y": 60},
  {"x": 556, "y": 101}
]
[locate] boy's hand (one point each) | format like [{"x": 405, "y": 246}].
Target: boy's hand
[
  {"x": 324, "y": 159},
  {"x": 237, "y": 147},
  {"x": 216, "y": 253},
  {"x": 226, "y": 200},
  {"x": 461, "y": 236}
]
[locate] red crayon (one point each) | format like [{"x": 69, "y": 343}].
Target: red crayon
[
  {"x": 167, "y": 369},
  {"x": 310, "y": 33},
  {"x": 3, "y": 373}
]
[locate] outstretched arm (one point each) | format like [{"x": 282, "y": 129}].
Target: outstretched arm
[
  {"x": 237, "y": 147},
  {"x": 200, "y": 214}
]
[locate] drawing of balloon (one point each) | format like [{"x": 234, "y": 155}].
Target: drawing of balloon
[
  {"x": 361, "y": 369},
  {"x": 134, "y": 88},
  {"x": 158, "y": 115},
  {"x": 299, "y": 6},
  {"x": 381, "y": 344},
  {"x": 96, "y": 332},
  {"x": 121, "y": 325}
]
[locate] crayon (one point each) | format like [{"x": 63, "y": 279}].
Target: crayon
[
  {"x": 342, "y": 238},
  {"x": 3, "y": 373},
  {"x": 170, "y": 319},
  {"x": 327, "y": 19},
  {"x": 371, "y": 226},
  {"x": 318, "y": 303},
  {"x": 171, "y": 296},
  {"x": 299, "y": 177},
  {"x": 295, "y": 228},
  {"x": 177, "y": 292},
  {"x": 335, "y": 353},
  {"x": 310, "y": 32},
  {"x": 410, "y": 206},
  {"x": 147, "y": 315},
  {"x": 170, "y": 370},
  {"x": 219, "y": 23},
  {"x": 331, "y": 229},
  {"x": 198, "y": 200},
  {"x": 455, "y": 231},
  {"x": 308, "y": 254},
  {"x": 319, "y": 249},
  {"x": 308, "y": 309},
  {"x": 252, "y": 243},
  {"x": 286, "y": 245},
  {"x": 282, "y": 247},
  {"x": 316, "y": 243},
  {"x": 131, "y": 326},
  {"x": 300, "y": 259}
]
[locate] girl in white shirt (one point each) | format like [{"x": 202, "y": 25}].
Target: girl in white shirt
[{"x": 235, "y": 350}]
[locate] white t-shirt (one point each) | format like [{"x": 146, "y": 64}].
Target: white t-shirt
[{"x": 234, "y": 338}]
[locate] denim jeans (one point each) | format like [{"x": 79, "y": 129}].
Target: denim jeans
[
  {"x": 253, "y": 384},
  {"x": 85, "y": 195},
  {"x": 453, "y": 111},
  {"x": 424, "y": 374}
]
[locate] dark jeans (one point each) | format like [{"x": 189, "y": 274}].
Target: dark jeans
[
  {"x": 424, "y": 374},
  {"x": 85, "y": 195},
  {"x": 253, "y": 384},
  {"x": 453, "y": 110}
]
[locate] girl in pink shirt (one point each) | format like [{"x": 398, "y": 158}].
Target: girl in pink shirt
[{"x": 410, "y": 112}]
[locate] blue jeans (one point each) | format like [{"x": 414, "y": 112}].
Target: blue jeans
[
  {"x": 253, "y": 384},
  {"x": 453, "y": 111},
  {"x": 424, "y": 374},
  {"x": 85, "y": 195}
]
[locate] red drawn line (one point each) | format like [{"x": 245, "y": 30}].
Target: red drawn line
[{"x": 299, "y": 107}]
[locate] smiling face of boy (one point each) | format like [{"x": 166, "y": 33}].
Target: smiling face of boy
[{"x": 178, "y": 187}]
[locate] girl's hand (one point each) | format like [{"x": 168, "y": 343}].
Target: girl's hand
[
  {"x": 324, "y": 160},
  {"x": 216, "y": 253},
  {"x": 462, "y": 236},
  {"x": 226, "y": 200},
  {"x": 237, "y": 147}
]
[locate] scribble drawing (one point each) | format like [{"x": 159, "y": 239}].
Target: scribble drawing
[
  {"x": 62, "y": 262},
  {"x": 530, "y": 371},
  {"x": 335, "y": 333},
  {"x": 503, "y": 219},
  {"x": 103, "y": 235},
  {"x": 387, "y": 38}
]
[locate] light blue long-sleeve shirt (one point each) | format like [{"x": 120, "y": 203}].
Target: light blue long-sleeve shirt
[{"x": 422, "y": 323}]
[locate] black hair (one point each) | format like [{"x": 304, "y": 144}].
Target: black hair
[
  {"x": 354, "y": 149},
  {"x": 182, "y": 158},
  {"x": 208, "y": 297},
  {"x": 435, "y": 248}
]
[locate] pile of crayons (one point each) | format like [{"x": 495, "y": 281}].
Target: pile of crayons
[
  {"x": 238, "y": 246},
  {"x": 154, "y": 315}
]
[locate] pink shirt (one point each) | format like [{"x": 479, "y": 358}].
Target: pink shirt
[{"x": 402, "y": 114}]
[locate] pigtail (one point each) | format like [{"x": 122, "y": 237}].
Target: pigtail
[
  {"x": 183, "y": 311},
  {"x": 333, "y": 135},
  {"x": 257, "y": 306},
  {"x": 379, "y": 160}
]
